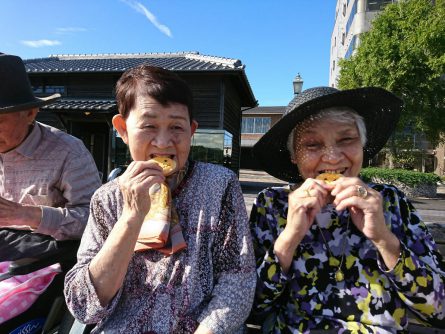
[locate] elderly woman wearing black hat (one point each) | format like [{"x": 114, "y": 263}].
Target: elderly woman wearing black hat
[{"x": 339, "y": 255}]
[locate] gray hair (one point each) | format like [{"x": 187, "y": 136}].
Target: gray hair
[{"x": 344, "y": 115}]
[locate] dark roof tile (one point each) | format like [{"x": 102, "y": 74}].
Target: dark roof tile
[
  {"x": 182, "y": 61},
  {"x": 82, "y": 105}
]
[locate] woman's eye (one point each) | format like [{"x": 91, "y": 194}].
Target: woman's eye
[
  {"x": 347, "y": 140},
  {"x": 312, "y": 146}
]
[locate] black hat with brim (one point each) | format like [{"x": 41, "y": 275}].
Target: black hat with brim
[
  {"x": 379, "y": 108},
  {"x": 15, "y": 88}
]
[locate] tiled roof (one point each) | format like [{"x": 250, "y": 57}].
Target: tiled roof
[
  {"x": 180, "y": 61},
  {"x": 264, "y": 110},
  {"x": 82, "y": 105}
]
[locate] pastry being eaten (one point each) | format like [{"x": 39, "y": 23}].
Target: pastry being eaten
[
  {"x": 328, "y": 177},
  {"x": 168, "y": 165}
]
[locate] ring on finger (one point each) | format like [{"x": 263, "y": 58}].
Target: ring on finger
[
  {"x": 361, "y": 191},
  {"x": 308, "y": 192}
]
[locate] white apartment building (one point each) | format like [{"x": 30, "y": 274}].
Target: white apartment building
[{"x": 352, "y": 17}]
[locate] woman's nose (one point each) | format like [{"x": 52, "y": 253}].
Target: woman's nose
[
  {"x": 162, "y": 139},
  {"x": 332, "y": 154}
]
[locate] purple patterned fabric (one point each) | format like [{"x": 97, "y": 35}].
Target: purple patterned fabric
[
  {"x": 212, "y": 281},
  {"x": 370, "y": 299}
]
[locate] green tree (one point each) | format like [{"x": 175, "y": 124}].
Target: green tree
[{"x": 404, "y": 52}]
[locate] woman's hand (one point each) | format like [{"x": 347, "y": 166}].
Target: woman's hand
[
  {"x": 135, "y": 184},
  {"x": 366, "y": 209},
  {"x": 303, "y": 204},
  {"x": 109, "y": 267},
  {"x": 364, "y": 204}
]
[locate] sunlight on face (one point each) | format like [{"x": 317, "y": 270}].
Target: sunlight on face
[
  {"x": 152, "y": 129},
  {"x": 323, "y": 144},
  {"x": 14, "y": 128}
]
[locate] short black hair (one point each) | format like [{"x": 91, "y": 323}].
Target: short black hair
[{"x": 144, "y": 80}]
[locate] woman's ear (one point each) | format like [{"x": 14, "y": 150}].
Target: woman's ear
[
  {"x": 194, "y": 126},
  {"x": 121, "y": 127}
]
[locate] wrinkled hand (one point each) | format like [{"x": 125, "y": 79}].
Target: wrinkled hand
[
  {"x": 366, "y": 209},
  {"x": 135, "y": 183},
  {"x": 304, "y": 203},
  {"x": 16, "y": 214}
]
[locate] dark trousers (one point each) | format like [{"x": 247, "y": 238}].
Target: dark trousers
[{"x": 16, "y": 244}]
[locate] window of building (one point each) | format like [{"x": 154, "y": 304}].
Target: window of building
[
  {"x": 351, "y": 16},
  {"x": 121, "y": 156},
  {"x": 351, "y": 47},
  {"x": 37, "y": 89},
  {"x": 374, "y": 5},
  {"x": 55, "y": 89},
  {"x": 213, "y": 146},
  {"x": 228, "y": 146},
  {"x": 344, "y": 8},
  {"x": 255, "y": 124},
  {"x": 333, "y": 65},
  {"x": 42, "y": 89},
  {"x": 343, "y": 38}
]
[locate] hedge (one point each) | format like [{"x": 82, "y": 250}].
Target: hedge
[{"x": 408, "y": 177}]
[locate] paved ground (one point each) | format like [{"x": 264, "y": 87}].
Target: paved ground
[{"x": 432, "y": 210}]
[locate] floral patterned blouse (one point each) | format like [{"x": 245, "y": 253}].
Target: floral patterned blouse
[
  {"x": 211, "y": 282},
  {"x": 370, "y": 298}
]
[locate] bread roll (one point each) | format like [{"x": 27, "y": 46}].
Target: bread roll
[
  {"x": 328, "y": 177},
  {"x": 168, "y": 165}
]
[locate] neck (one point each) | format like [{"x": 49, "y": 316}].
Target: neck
[{"x": 175, "y": 179}]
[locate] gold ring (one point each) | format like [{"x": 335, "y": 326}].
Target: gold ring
[
  {"x": 308, "y": 192},
  {"x": 361, "y": 191}
]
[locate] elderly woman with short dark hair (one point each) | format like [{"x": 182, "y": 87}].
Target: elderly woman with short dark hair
[
  {"x": 165, "y": 250},
  {"x": 333, "y": 252}
]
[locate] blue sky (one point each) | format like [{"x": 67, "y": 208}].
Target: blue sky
[{"x": 274, "y": 39}]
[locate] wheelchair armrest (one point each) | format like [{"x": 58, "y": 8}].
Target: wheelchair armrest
[
  {"x": 118, "y": 171},
  {"x": 65, "y": 253}
]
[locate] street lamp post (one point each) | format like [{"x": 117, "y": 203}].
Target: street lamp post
[{"x": 298, "y": 84}]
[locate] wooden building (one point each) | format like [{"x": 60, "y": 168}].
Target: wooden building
[
  {"x": 87, "y": 82},
  {"x": 256, "y": 121}
]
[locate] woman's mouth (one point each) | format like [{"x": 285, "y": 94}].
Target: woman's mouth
[
  {"x": 333, "y": 171},
  {"x": 154, "y": 155}
]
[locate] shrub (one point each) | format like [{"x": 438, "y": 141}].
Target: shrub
[{"x": 394, "y": 176}]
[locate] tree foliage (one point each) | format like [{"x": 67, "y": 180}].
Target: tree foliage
[{"x": 404, "y": 52}]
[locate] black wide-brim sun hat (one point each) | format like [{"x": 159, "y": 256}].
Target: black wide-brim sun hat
[
  {"x": 15, "y": 88},
  {"x": 379, "y": 108}
]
